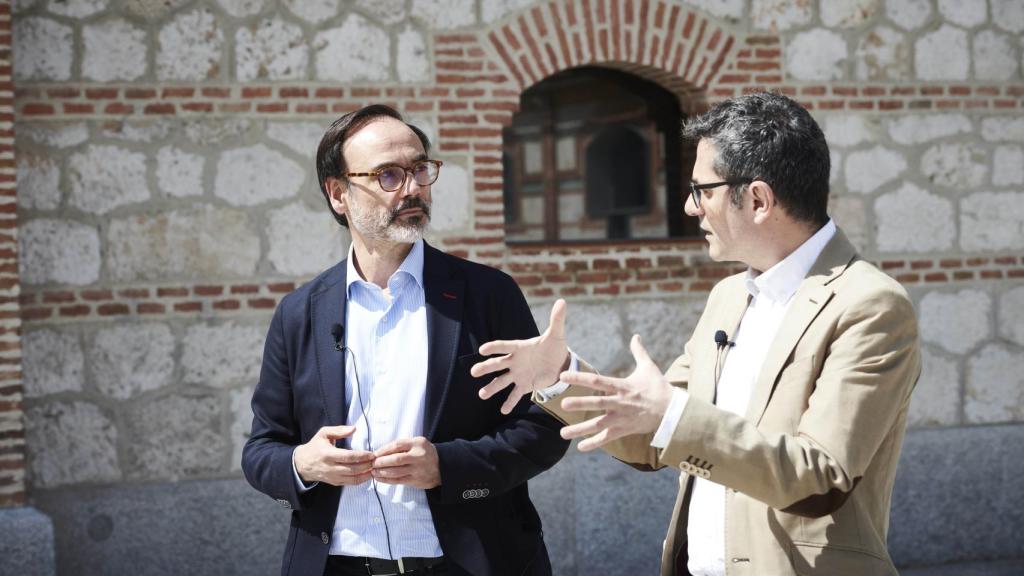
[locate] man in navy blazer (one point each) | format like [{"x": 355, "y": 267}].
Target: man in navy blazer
[{"x": 366, "y": 420}]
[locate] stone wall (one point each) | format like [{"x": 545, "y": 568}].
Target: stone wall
[{"x": 167, "y": 199}]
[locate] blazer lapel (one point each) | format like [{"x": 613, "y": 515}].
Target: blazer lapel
[
  {"x": 733, "y": 305},
  {"x": 808, "y": 301},
  {"x": 327, "y": 308},
  {"x": 443, "y": 290}
]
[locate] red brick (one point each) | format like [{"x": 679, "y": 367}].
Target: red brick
[
  {"x": 951, "y": 263},
  {"x": 293, "y": 92},
  {"x": 151, "y": 308},
  {"x": 234, "y": 107},
  {"x": 58, "y": 297},
  {"x": 366, "y": 92},
  {"x": 261, "y": 303},
  {"x": 211, "y": 92},
  {"x": 908, "y": 278},
  {"x": 329, "y": 93},
  {"x": 281, "y": 287},
  {"x": 207, "y": 290},
  {"x": 272, "y": 107},
  {"x": 113, "y": 309},
  {"x": 308, "y": 108},
  {"x": 96, "y": 294},
  {"x": 197, "y": 106},
  {"x": 991, "y": 274},
  {"x": 921, "y": 264},
  {"x": 30, "y": 314},
  {"x": 256, "y": 92},
  {"x": 159, "y": 108},
  {"x": 245, "y": 289},
  {"x": 1006, "y": 260},
  {"x": 963, "y": 275},
  {"x": 188, "y": 306},
  {"x": 171, "y": 292},
  {"x": 77, "y": 310},
  {"x": 37, "y": 109},
  {"x": 101, "y": 93},
  {"x": 227, "y": 305},
  {"x": 139, "y": 93},
  {"x": 119, "y": 109}
]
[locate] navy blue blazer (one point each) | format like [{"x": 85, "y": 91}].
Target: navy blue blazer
[{"x": 482, "y": 512}]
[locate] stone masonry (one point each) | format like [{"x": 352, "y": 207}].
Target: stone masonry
[{"x": 167, "y": 199}]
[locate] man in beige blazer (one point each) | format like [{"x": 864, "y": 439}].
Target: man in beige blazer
[{"x": 787, "y": 409}]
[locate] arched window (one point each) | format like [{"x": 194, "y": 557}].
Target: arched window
[{"x": 594, "y": 154}]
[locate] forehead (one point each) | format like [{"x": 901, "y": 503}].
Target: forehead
[
  {"x": 382, "y": 140},
  {"x": 704, "y": 166}
]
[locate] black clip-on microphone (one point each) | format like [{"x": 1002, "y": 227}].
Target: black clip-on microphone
[{"x": 721, "y": 339}]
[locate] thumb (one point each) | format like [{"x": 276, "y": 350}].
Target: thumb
[
  {"x": 337, "y": 432},
  {"x": 639, "y": 352},
  {"x": 556, "y": 325}
]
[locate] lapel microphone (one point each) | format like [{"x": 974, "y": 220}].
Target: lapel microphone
[
  {"x": 721, "y": 339},
  {"x": 338, "y": 331}
]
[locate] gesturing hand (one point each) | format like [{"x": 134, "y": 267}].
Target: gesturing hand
[
  {"x": 632, "y": 405},
  {"x": 531, "y": 364},
  {"x": 319, "y": 460},
  {"x": 409, "y": 461}
]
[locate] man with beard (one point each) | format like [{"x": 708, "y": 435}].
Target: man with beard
[{"x": 366, "y": 421}]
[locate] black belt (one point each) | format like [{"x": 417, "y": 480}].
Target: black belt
[{"x": 381, "y": 567}]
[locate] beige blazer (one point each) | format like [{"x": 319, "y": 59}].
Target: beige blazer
[{"x": 809, "y": 468}]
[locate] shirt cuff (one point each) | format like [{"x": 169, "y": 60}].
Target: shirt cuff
[
  {"x": 556, "y": 389},
  {"x": 302, "y": 486},
  {"x": 672, "y": 415}
]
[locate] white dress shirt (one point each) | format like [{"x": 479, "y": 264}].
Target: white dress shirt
[
  {"x": 771, "y": 294},
  {"x": 386, "y": 337}
]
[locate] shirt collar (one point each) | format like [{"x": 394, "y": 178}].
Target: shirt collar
[
  {"x": 781, "y": 281},
  {"x": 412, "y": 266}
]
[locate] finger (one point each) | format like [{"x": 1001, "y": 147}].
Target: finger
[
  {"x": 405, "y": 479},
  {"x": 513, "y": 398},
  {"x": 394, "y": 447},
  {"x": 585, "y": 428},
  {"x": 342, "y": 456},
  {"x": 392, "y": 472},
  {"x": 639, "y": 352},
  {"x": 499, "y": 347},
  {"x": 495, "y": 386},
  {"x": 589, "y": 403},
  {"x": 592, "y": 381},
  {"x": 353, "y": 469},
  {"x": 596, "y": 441},
  {"x": 556, "y": 324},
  {"x": 337, "y": 432},
  {"x": 346, "y": 480},
  {"x": 490, "y": 365},
  {"x": 391, "y": 461}
]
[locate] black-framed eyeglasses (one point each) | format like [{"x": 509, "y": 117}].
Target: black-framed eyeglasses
[
  {"x": 392, "y": 178},
  {"x": 695, "y": 189}
]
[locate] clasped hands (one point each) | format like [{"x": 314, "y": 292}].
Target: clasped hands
[
  {"x": 620, "y": 406},
  {"x": 408, "y": 461}
]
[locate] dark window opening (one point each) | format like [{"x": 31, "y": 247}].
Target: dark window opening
[{"x": 594, "y": 154}]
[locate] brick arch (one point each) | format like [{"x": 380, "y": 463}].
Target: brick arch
[{"x": 677, "y": 47}]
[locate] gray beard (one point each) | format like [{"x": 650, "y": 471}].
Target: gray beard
[{"x": 384, "y": 225}]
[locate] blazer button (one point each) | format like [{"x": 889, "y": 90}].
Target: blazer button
[{"x": 324, "y": 537}]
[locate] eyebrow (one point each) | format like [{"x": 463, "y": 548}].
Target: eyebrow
[{"x": 383, "y": 165}]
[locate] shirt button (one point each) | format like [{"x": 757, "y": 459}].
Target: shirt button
[{"x": 324, "y": 537}]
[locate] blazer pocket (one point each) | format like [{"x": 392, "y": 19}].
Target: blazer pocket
[{"x": 824, "y": 560}]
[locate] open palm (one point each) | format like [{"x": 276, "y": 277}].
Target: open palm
[{"x": 531, "y": 364}]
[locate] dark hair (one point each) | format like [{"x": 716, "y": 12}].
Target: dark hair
[
  {"x": 769, "y": 137},
  {"x": 329, "y": 161}
]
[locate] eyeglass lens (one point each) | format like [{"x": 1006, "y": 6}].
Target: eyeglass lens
[{"x": 393, "y": 177}]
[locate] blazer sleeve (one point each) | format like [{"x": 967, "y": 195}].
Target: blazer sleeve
[
  {"x": 267, "y": 455},
  {"x": 523, "y": 445},
  {"x": 872, "y": 363}
]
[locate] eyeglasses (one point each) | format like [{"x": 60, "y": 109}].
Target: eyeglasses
[
  {"x": 392, "y": 178},
  {"x": 695, "y": 188}
]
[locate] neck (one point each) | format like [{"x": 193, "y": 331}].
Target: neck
[
  {"x": 780, "y": 242},
  {"x": 376, "y": 261}
]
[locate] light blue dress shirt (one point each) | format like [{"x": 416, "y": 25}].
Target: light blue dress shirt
[{"x": 386, "y": 337}]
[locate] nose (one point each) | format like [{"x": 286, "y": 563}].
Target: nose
[{"x": 691, "y": 208}]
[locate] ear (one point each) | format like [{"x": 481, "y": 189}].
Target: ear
[
  {"x": 337, "y": 191},
  {"x": 763, "y": 201}
]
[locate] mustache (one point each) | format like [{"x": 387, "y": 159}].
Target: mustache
[{"x": 410, "y": 203}]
